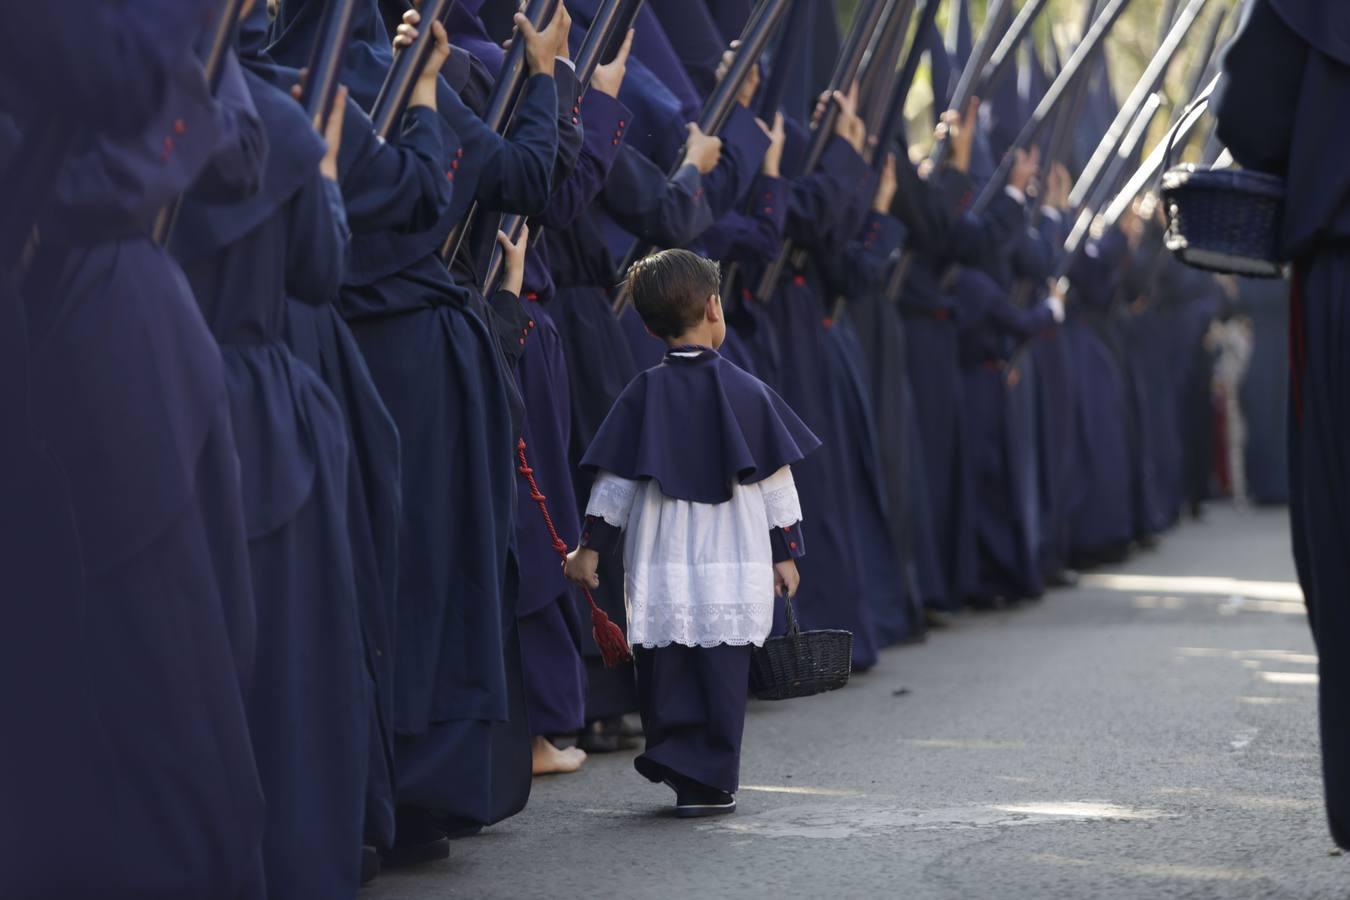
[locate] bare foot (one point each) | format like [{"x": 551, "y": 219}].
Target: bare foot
[{"x": 549, "y": 760}]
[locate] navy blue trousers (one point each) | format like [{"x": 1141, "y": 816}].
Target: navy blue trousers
[{"x": 693, "y": 701}]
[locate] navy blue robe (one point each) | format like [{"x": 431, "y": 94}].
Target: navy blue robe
[
  {"x": 809, "y": 375},
  {"x": 940, "y": 233},
  {"x": 1265, "y": 392},
  {"x": 386, "y": 186},
  {"x": 435, "y": 350},
  {"x": 312, "y": 746},
  {"x": 998, "y": 423},
  {"x": 1274, "y": 118},
  {"x": 1054, "y": 414},
  {"x": 552, "y": 632},
  {"x": 1103, "y": 509},
  {"x": 126, "y": 680}
]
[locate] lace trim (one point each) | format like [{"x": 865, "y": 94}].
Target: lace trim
[
  {"x": 612, "y": 499},
  {"x": 781, "y": 503},
  {"x": 730, "y": 642},
  {"x": 704, "y": 625}
]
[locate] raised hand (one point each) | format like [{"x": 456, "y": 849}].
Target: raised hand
[
  {"x": 886, "y": 186},
  {"x": 702, "y": 151},
  {"x": 513, "y": 255},
  {"x": 773, "y": 157},
  {"x": 1026, "y": 163},
  {"x": 608, "y": 78}
]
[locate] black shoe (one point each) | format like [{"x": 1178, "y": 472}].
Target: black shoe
[
  {"x": 937, "y": 620},
  {"x": 606, "y": 737},
  {"x": 1064, "y": 578},
  {"x": 370, "y": 864},
  {"x": 697, "y": 801},
  {"x": 417, "y": 841}
]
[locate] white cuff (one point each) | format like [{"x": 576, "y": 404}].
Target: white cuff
[{"x": 1016, "y": 194}]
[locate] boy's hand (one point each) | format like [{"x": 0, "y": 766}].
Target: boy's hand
[
  {"x": 581, "y": 567},
  {"x": 513, "y": 277},
  {"x": 786, "y": 578}
]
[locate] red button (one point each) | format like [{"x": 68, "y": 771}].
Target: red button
[
  {"x": 622, "y": 123},
  {"x": 168, "y": 145},
  {"x": 454, "y": 164},
  {"x": 615, "y": 142},
  {"x": 460, "y": 153},
  {"x": 522, "y": 342},
  {"x": 768, "y": 210},
  {"x": 533, "y": 297},
  {"x": 576, "y": 121},
  {"x": 792, "y": 545},
  {"x": 799, "y": 280},
  {"x": 179, "y": 127},
  {"x": 449, "y": 176}
]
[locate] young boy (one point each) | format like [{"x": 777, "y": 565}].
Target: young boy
[{"x": 692, "y": 475}]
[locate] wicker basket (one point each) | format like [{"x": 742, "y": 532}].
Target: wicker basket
[
  {"x": 801, "y": 663},
  {"x": 1225, "y": 220}
]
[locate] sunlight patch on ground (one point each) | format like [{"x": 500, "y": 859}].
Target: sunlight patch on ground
[
  {"x": 1300, "y": 678},
  {"x": 1153, "y": 869},
  {"x": 1218, "y": 586},
  {"x": 1283, "y": 656},
  {"x": 840, "y": 821},
  {"x": 807, "y": 791},
  {"x": 965, "y": 744}
]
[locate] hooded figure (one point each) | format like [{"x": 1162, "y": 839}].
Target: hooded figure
[
  {"x": 1287, "y": 68},
  {"x": 243, "y": 259},
  {"x": 435, "y": 350},
  {"x": 131, "y": 637}
]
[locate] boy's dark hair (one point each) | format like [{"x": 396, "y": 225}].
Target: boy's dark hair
[{"x": 670, "y": 289}]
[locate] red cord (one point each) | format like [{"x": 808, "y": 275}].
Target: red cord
[{"x": 608, "y": 636}]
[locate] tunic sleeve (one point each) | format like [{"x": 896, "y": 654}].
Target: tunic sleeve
[
  {"x": 316, "y": 242},
  {"x": 612, "y": 499},
  {"x": 781, "y": 503},
  {"x": 400, "y": 184}
]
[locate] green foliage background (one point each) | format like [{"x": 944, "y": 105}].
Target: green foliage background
[{"x": 1129, "y": 47}]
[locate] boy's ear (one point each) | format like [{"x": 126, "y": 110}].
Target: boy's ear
[{"x": 713, "y": 310}]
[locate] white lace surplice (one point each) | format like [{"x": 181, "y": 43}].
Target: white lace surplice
[{"x": 699, "y": 574}]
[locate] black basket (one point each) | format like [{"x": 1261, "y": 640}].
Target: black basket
[
  {"x": 1224, "y": 220},
  {"x": 801, "y": 663}
]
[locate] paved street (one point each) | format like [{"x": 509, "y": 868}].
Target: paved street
[{"x": 1149, "y": 735}]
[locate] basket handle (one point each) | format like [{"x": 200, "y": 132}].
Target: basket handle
[
  {"x": 1197, "y": 103},
  {"x": 793, "y": 629}
]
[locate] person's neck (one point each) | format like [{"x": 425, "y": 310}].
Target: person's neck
[{"x": 694, "y": 337}]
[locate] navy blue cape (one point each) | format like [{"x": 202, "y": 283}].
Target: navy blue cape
[{"x": 697, "y": 424}]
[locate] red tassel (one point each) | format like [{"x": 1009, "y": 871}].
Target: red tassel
[{"x": 608, "y": 636}]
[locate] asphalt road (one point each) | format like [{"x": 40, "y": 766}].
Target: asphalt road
[{"x": 1151, "y": 734}]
